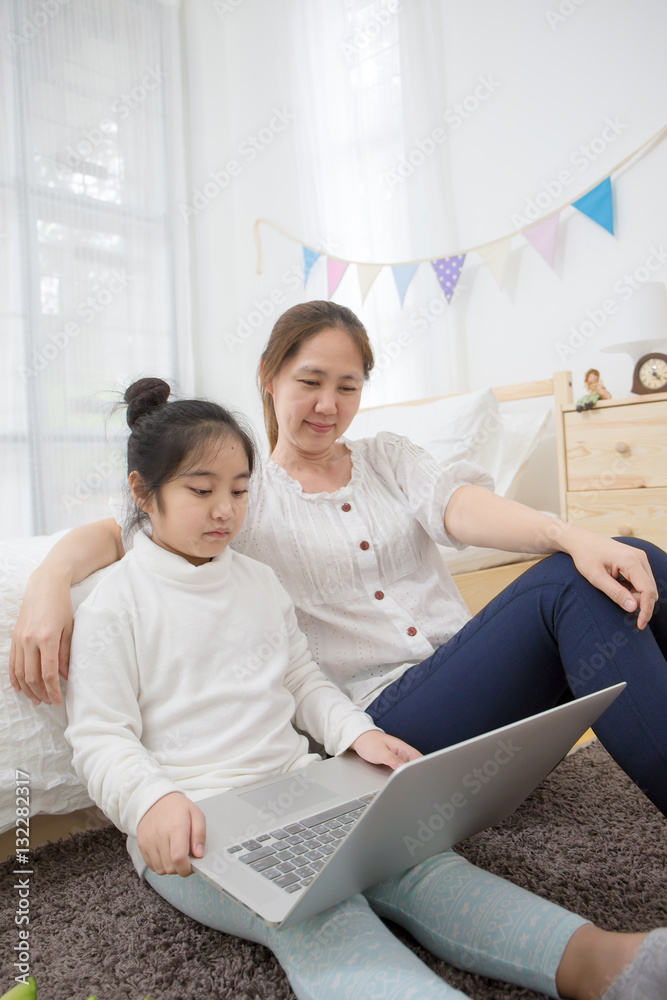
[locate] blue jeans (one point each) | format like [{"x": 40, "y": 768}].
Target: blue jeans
[{"x": 548, "y": 637}]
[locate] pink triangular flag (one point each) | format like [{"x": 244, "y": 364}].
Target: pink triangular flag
[
  {"x": 543, "y": 237},
  {"x": 336, "y": 269}
]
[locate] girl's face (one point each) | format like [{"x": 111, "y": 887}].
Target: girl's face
[
  {"x": 204, "y": 506},
  {"x": 316, "y": 394}
]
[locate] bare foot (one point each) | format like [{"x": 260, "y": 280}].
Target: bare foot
[{"x": 593, "y": 959}]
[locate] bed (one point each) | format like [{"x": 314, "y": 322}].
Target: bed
[{"x": 509, "y": 430}]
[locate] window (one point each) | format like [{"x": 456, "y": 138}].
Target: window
[{"x": 89, "y": 166}]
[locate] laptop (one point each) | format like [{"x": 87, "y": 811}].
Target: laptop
[{"x": 294, "y": 845}]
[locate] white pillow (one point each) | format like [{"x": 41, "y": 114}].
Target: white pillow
[
  {"x": 476, "y": 427},
  {"x": 522, "y": 432},
  {"x": 33, "y": 736},
  {"x": 471, "y": 426},
  {"x": 458, "y": 427},
  {"x": 535, "y": 463}
]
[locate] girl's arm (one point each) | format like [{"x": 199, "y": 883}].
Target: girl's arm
[
  {"x": 105, "y": 729},
  {"x": 41, "y": 640},
  {"x": 477, "y": 517},
  {"x": 169, "y": 832},
  {"x": 382, "y": 748}
]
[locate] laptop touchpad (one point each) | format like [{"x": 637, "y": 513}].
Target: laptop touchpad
[{"x": 297, "y": 792}]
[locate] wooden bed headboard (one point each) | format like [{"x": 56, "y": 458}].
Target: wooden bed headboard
[{"x": 560, "y": 387}]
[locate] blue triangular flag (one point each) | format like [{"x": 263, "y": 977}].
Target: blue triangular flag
[
  {"x": 309, "y": 258},
  {"x": 597, "y": 205},
  {"x": 403, "y": 275}
]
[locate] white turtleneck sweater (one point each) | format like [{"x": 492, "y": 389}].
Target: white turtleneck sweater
[{"x": 187, "y": 678}]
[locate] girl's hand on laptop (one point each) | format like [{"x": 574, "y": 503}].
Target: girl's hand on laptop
[
  {"x": 171, "y": 830},
  {"x": 381, "y": 748}
]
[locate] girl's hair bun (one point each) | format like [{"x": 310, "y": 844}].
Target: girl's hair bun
[{"x": 144, "y": 396}]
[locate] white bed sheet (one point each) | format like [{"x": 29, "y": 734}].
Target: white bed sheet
[{"x": 32, "y": 737}]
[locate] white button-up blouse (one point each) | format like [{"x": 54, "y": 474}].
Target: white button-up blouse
[{"x": 371, "y": 590}]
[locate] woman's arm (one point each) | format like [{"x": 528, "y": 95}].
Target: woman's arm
[
  {"x": 477, "y": 517},
  {"x": 43, "y": 633}
]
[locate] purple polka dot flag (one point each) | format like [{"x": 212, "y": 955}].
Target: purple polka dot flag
[{"x": 448, "y": 270}]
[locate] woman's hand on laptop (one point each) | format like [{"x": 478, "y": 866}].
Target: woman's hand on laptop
[
  {"x": 381, "y": 748},
  {"x": 171, "y": 830}
]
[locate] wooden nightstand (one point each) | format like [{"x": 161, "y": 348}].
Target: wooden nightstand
[{"x": 613, "y": 466}]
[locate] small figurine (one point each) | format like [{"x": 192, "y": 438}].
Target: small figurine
[{"x": 595, "y": 390}]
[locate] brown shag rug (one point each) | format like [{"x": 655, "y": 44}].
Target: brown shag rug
[{"x": 586, "y": 838}]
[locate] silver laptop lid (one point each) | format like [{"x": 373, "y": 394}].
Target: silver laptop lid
[{"x": 425, "y": 807}]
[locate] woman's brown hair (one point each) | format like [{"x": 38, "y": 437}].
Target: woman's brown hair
[{"x": 294, "y": 327}]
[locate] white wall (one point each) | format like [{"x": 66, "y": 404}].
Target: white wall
[
  {"x": 558, "y": 77},
  {"x": 560, "y": 85},
  {"x": 237, "y": 77}
]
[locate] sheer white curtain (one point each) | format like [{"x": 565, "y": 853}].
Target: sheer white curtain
[
  {"x": 92, "y": 289},
  {"x": 369, "y": 86}
]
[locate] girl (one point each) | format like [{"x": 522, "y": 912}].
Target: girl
[{"x": 169, "y": 700}]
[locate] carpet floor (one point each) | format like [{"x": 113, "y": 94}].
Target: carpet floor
[{"x": 586, "y": 838}]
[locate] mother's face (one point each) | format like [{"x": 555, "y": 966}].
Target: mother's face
[{"x": 316, "y": 394}]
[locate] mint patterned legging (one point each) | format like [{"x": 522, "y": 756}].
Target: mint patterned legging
[{"x": 466, "y": 916}]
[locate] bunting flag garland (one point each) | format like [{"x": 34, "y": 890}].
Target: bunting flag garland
[
  {"x": 495, "y": 255},
  {"x": 336, "y": 269},
  {"x": 367, "y": 274},
  {"x": 309, "y": 258},
  {"x": 403, "y": 275},
  {"x": 543, "y": 237},
  {"x": 448, "y": 271},
  {"x": 596, "y": 203},
  {"x": 598, "y": 206}
]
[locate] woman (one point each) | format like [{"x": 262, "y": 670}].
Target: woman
[
  {"x": 351, "y": 527},
  {"x": 189, "y": 463}
]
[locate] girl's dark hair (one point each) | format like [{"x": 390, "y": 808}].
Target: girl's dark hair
[
  {"x": 290, "y": 331},
  {"x": 165, "y": 436}
]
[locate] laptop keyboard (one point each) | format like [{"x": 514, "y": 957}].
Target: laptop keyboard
[{"x": 291, "y": 856}]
